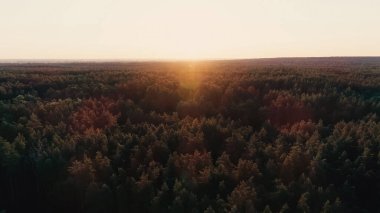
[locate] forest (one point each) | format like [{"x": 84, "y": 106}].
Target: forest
[{"x": 265, "y": 135}]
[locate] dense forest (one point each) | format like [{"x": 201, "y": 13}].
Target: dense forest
[{"x": 269, "y": 135}]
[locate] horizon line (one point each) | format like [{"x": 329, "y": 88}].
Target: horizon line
[{"x": 126, "y": 60}]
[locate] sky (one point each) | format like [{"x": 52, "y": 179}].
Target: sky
[{"x": 192, "y": 29}]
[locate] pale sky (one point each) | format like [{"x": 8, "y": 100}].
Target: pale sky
[{"x": 192, "y": 29}]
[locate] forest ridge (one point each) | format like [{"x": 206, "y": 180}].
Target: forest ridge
[{"x": 264, "y": 135}]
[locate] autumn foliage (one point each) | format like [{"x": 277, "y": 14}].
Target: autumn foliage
[{"x": 268, "y": 135}]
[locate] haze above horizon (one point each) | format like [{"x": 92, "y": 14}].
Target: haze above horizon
[{"x": 169, "y": 29}]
